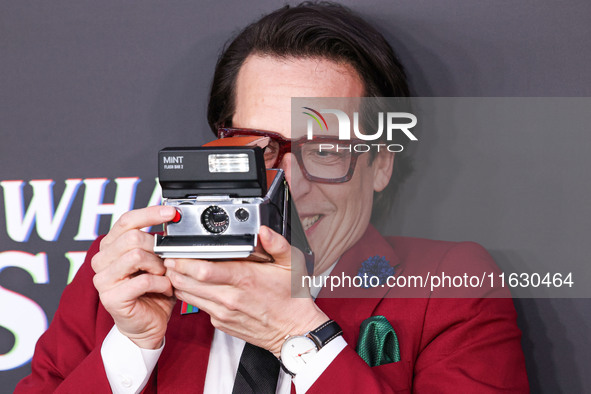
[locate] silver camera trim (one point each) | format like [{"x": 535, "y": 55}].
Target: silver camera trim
[{"x": 190, "y": 228}]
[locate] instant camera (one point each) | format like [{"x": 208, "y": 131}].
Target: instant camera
[{"x": 223, "y": 195}]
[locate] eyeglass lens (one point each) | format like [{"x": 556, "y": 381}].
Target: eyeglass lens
[{"x": 321, "y": 160}]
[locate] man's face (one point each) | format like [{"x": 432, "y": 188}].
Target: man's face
[{"x": 334, "y": 216}]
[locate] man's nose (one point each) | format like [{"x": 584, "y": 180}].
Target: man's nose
[{"x": 298, "y": 184}]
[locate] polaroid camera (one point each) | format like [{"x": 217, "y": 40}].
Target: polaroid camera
[{"x": 223, "y": 194}]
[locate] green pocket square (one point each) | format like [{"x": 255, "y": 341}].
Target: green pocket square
[{"x": 377, "y": 344}]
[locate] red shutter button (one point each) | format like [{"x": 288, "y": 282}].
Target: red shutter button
[{"x": 177, "y": 217}]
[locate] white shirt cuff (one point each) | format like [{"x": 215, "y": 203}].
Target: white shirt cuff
[
  {"x": 312, "y": 371},
  {"x": 128, "y": 366}
]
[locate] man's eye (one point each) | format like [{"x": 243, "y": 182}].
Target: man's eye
[
  {"x": 325, "y": 155},
  {"x": 269, "y": 150}
]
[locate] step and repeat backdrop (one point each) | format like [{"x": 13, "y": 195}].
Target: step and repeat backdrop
[{"x": 91, "y": 91}]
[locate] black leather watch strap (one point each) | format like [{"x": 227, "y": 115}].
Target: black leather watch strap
[{"x": 325, "y": 333}]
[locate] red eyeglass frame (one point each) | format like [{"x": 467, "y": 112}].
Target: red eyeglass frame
[{"x": 287, "y": 145}]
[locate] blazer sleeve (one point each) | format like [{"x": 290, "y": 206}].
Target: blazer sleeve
[
  {"x": 461, "y": 344},
  {"x": 67, "y": 356}
]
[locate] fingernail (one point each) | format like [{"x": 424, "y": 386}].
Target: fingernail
[
  {"x": 264, "y": 232},
  {"x": 167, "y": 211},
  {"x": 169, "y": 263}
]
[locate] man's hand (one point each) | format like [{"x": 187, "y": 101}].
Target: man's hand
[
  {"x": 249, "y": 300},
  {"x": 130, "y": 277}
]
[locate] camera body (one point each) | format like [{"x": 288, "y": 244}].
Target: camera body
[{"x": 223, "y": 195}]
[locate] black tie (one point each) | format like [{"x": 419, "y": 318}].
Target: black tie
[{"x": 258, "y": 371}]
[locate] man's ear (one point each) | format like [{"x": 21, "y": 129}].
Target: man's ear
[{"x": 382, "y": 170}]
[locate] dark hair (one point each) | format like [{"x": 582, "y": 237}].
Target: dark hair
[{"x": 322, "y": 30}]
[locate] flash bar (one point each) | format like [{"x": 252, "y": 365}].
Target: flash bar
[
  {"x": 236, "y": 171},
  {"x": 228, "y": 162}
]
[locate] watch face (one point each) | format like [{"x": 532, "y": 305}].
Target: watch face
[{"x": 297, "y": 352}]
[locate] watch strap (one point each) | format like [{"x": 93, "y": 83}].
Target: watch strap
[
  {"x": 325, "y": 333},
  {"x": 284, "y": 368}
]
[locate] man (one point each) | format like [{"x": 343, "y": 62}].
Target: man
[{"x": 128, "y": 335}]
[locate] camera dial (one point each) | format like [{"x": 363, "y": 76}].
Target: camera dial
[
  {"x": 242, "y": 214},
  {"x": 215, "y": 219}
]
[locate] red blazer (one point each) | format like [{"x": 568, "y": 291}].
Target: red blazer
[{"x": 446, "y": 345}]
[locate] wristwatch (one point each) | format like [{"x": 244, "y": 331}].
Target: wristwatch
[{"x": 299, "y": 350}]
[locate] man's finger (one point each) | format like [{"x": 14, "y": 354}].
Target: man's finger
[
  {"x": 136, "y": 287},
  {"x": 275, "y": 245},
  {"x": 127, "y": 266},
  {"x": 285, "y": 255},
  {"x": 207, "y": 272},
  {"x": 130, "y": 240},
  {"x": 221, "y": 317},
  {"x": 139, "y": 218}
]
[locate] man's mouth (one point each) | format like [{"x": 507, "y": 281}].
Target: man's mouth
[{"x": 309, "y": 221}]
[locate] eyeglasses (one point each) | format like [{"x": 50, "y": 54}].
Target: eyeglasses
[{"x": 323, "y": 159}]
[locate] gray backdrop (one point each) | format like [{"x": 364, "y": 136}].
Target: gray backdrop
[{"x": 92, "y": 90}]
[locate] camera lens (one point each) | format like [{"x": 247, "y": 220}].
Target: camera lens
[{"x": 215, "y": 219}]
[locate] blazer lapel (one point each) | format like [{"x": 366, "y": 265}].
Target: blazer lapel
[{"x": 350, "y": 305}]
